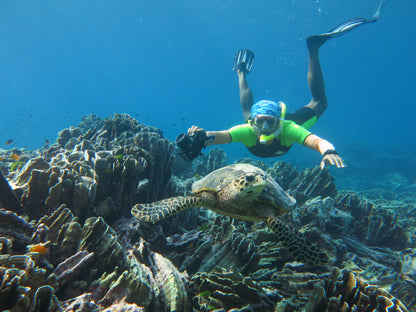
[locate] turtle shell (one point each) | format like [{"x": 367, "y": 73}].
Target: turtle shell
[{"x": 222, "y": 177}]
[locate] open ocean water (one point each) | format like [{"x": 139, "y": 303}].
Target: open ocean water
[{"x": 168, "y": 64}]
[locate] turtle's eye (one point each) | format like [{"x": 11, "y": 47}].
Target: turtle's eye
[{"x": 250, "y": 178}]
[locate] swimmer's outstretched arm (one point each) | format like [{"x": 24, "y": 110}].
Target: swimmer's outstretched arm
[
  {"x": 214, "y": 137},
  {"x": 327, "y": 150}
]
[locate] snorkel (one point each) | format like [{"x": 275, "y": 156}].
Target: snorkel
[
  {"x": 267, "y": 109},
  {"x": 264, "y": 139}
]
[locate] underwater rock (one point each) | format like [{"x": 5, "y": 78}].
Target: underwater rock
[
  {"x": 8, "y": 199},
  {"x": 228, "y": 290},
  {"x": 344, "y": 291}
]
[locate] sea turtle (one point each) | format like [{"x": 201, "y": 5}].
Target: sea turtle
[{"x": 245, "y": 192}]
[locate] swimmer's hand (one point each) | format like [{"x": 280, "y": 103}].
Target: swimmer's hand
[{"x": 332, "y": 158}]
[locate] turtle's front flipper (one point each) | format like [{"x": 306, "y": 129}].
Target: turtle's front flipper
[
  {"x": 302, "y": 249},
  {"x": 159, "y": 210}
]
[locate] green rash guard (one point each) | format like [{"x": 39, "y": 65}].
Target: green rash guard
[{"x": 291, "y": 133}]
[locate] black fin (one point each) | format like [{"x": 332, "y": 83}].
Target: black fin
[
  {"x": 344, "y": 28},
  {"x": 347, "y": 26},
  {"x": 243, "y": 60}
]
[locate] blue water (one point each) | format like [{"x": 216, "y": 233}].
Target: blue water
[{"x": 168, "y": 64}]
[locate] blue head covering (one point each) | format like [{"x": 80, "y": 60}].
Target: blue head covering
[{"x": 266, "y": 108}]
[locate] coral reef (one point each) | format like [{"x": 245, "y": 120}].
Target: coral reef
[
  {"x": 230, "y": 291},
  {"x": 312, "y": 183},
  {"x": 104, "y": 169},
  {"x": 208, "y": 163},
  {"x": 68, "y": 242},
  {"x": 343, "y": 291},
  {"x": 15, "y": 229},
  {"x": 377, "y": 226}
]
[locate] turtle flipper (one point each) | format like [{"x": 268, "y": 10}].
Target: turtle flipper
[
  {"x": 302, "y": 249},
  {"x": 159, "y": 210}
]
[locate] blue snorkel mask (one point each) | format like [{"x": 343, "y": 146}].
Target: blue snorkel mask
[{"x": 265, "y": 119}]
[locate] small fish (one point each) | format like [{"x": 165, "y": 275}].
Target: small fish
[
  {"x": 206, "y": 293},
  {"x": 47, "y": 141},
  {"x": 197, "y": 177},
  {"x": 10, "y": 141},
  {"x": 16, "y": 165},
  {"x": 39, "y": 248},
  {"x": 14, "y": 157},
  {"x": 119, "y": 156},
  {"x": 205, "y": 227}
]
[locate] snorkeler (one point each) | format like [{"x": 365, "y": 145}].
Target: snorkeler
[{"x": 269, "y": 131}]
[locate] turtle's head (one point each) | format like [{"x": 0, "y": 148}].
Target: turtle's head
[{"x": 250, "y": 184}]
